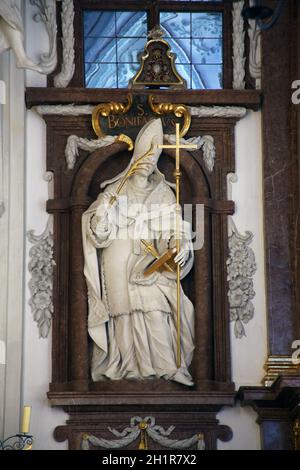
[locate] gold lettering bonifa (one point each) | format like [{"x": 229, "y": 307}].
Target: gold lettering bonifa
[{"x": 139, "y": 120}]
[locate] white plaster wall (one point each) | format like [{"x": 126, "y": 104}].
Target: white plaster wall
[
  {"x": 12, "y": 193},
  {"x": 242, "y": 421},
  {"x": 248, "y": 354},
  {"x": 37, "y": 351}
]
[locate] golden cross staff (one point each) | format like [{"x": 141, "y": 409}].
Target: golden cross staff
[{"x": 177, "y": 175}]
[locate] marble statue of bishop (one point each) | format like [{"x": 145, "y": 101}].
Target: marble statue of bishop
[{"x": 132, "y": 317}]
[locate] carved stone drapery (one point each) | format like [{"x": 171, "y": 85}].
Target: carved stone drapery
[
  {"x": 41, "y": 283},
  {"x": 218, "y": 111},
  {"x": 191, "y": 430},
  {"x": 47, "y": 14},
  {"x": 74, "y": 143},
  {"x": 255, "y": 53},
  {"x": 13, "y": 19},
  {"x": 140, "y": 428},
  {"x": 206, "y": 143},
  {"x": 197, "y": 111},
  {"x": 254, "y": 34},
  {"x": 64, "y": 110},
  {"x": 68, "y": 66},
  {"x": 238, "y": 36},
  {"x": 241, "y": 267}
]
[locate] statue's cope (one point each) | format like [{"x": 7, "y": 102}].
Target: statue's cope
[{"x": 136, "y": 320}]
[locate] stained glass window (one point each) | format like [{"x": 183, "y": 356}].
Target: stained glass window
[
  {"x": 196, "y": 39},
  {"x": 113, "y": 40}
]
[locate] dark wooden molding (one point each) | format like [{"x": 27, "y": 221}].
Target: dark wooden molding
[
  {"x": 167, "y": 400},
  {"x": 250, "y": 99},
  {"x": 280, "y": 395},
  {"x": 277, "y": 407}
]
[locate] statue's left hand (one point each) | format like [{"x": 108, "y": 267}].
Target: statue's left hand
[{"x": 182, "y": 257}]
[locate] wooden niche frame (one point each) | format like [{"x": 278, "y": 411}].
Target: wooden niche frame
[
  {"x": 93, "y": 407},
  {"x": 96, "y": 404},
  {"x": 74, "y": 191}
]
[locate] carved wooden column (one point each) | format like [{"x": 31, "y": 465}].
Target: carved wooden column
[
  {"x": 278, "y": 409},
  {"x": 281, "y": 183},
  {"x": 78, "y": 299}
]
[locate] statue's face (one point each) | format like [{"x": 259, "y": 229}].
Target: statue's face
[
  {"x": 147, "y": 169},
  {"x": 149, "y": 163}
]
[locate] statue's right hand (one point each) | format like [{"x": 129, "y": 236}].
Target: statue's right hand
[
  {"x": 111, "y": 197},
  {"x": 99, "y": 223},
  {"x": 103, "y": 208}
]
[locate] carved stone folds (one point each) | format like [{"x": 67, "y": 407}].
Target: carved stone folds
[
  {"x": 255, "y": 53},
  {"x": 197, "y": 111},
  {"x": 238, "y": 36},
  {"x": 68, "y": 66},
  {"x": 206, "y": 143},
  {"x": 143, "y": 428},
  {"x": 218, "y": 111},
  {"x": 241, "y": 267},
  {"x": 154, "y": 431},
  {"x": 12, "y": 33},
  {"x": 74, "y": 143},
  {"x": 41, "y": 269}
]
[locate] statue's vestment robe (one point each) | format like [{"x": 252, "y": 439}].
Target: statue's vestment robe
[
  {"x": 132, "y": 318},
  {"x": 10, "y": 13}
]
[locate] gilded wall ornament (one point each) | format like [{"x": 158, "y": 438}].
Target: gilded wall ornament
[
  {"x": 106, "y": 109},
  {"x": 157, "y": 65},
  {"x": 179, "y": 110}
]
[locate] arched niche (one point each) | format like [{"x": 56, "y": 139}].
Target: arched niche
[{"x": 211, "y": 316}]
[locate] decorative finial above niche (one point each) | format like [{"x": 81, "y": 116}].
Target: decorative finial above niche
[
  {"x": 155, "y": 33},
  {"x": 157, "y": 64}
]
